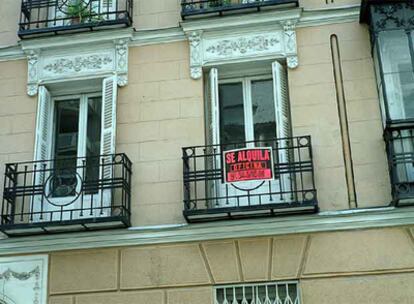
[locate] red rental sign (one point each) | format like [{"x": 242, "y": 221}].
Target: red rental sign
[{"x": 248, "y": 164}]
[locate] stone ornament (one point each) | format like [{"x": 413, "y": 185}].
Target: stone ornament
[
  {"x": 73, "y": 64},
  {"x": 243, "y": 45},
  {"x": 32, "y": 270},
  {"x": 214, "y": 48},
  {"x": 195, "y": 54}
]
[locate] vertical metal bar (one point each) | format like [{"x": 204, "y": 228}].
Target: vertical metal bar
[
  {"x": 43, "y": 192},
  {"x": 84, "y": 182},
  {"x": 24, "y": 193},
  {"x": 31, "y": 208}
]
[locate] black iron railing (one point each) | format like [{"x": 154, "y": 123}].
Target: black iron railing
[
  {"x": 82, "y": 193},
  {"x": 399, "y": 140},
  {"x": 292, "y": 190},
  {"x": 219, "y": 7},
  {"x": 43, "y": 17}
]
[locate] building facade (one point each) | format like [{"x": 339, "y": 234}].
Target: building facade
[{"x": 226, "y": 151}]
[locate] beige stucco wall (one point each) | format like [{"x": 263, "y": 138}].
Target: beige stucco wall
[
  {"x": 161, "y": 110},
  {"x": 9, "y": 22},
  {"x": 315, "y": 112},
  {"x": 17, "y": 115},
  {"x": 372, "y": 265}
]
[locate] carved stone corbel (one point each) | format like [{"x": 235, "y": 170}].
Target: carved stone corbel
[
  {"x": 196, "y": 61},
  {"x": 121, "y": 55},
  {"x": 32, "y": 72},
  {"x": 289, "y": 35}
]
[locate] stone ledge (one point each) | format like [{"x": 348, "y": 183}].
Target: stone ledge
[{"x": 322, "y": 222}]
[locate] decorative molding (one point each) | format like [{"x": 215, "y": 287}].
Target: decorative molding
[
  {"x": 195, "y": 54},
  {"x": 32, "y": 72},
  {"x": 238, "y": 39},
  {"x": 56, "y": 61},
  {"x": 121, "y": 56},
  {"x": 32, "y": 270},
  {"x": 291, "y": 50},
  {"x": 78, "y": 64},
  {"x": 242, "y": 46},
  {"x": 347, "y": 220}
]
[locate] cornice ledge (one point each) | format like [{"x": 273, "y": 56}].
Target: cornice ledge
[
  {"x": 314, "y": 223},
  {"x": 241, "y": 21},
  {"x": 14, "y": 52},
  {"x": 146, "y": 37},
  {"x": 76, "y": 40},
  {"x": 328, "y": 16}
]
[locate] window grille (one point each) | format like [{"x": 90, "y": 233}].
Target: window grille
[{"x": 268, "y": 293}]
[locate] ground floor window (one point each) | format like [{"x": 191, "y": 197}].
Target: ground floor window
[{"x": 267, "y": 293}]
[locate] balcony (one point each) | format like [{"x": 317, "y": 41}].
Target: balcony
[
  {"x": 399, "y": 140},
  {"x": 66, "y": 195},
  {"x": 48, "y": 17},
  {"x": 192, "y": 8},
  {"x": 291, "y": 190}
]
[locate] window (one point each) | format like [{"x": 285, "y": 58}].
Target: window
[
  {"x": 392, "y": 31},
  {"x": 249, "y": 112},
  {"x": 75, "y": 135},
  {"x": 395, "y": 77},
  {"x": 278, "y": 292}
]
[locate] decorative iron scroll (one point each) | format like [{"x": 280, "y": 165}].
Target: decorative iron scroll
[{"x": 392, "y": 16}]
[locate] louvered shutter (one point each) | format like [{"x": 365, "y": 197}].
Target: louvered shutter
[
  {"x": 108, "y": 132},
  {"x": 213, "y": 163},
  {"x": 43, "y": 139},
  {"x": 213, "y": 104},
  {"x": 281, "y": 96},
  {"x": 43, "y": 125}
]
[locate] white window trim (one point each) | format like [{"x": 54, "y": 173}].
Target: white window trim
[
  {"x": 247, "y": 99},
  {"x": 45, "y": 143},
  {"x": 83, "y": 103}
]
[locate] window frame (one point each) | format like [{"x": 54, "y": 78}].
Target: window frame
[
  {"x": 82, "y": 123},
  {"x": 248, "y": 101}
]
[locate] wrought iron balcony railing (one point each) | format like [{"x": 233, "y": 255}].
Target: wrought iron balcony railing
[
  {"x": 46, "y": 17},
  {"x": 399, "y": 140},
  {"x": 291, "y": 190},
  {"x": 68, "y": 194},
  {"x": 219, "y": 7}
]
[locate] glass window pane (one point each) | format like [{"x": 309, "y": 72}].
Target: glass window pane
[
  {"x": 398, "y": 73},
  {"x": 400, "y": 94},
  {"x": 66, "y": 147},
  {"x": 93, "y": 139},
  {"x": 395, "y": 52},
  {"x": 263, "y": 109},
  {"x": 232, "y": 125}
]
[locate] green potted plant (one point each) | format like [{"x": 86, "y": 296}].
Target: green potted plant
[{"x": 78, "y": 11}]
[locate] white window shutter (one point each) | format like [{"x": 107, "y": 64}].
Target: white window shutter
[
  {"x": 43, "y": 140},
  {"x": 43, "y": 125},
  {"x": 213, "y": 107},
  {"x": 283, "y": 128},
  {"x": 108, "y": 132},
  {"x": 212, "y": 103}
]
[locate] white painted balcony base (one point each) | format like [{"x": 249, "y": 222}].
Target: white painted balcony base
[{"x": 323, "y": 222}]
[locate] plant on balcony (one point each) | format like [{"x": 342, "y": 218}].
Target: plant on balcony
[{"x": 79, "y": 12}]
